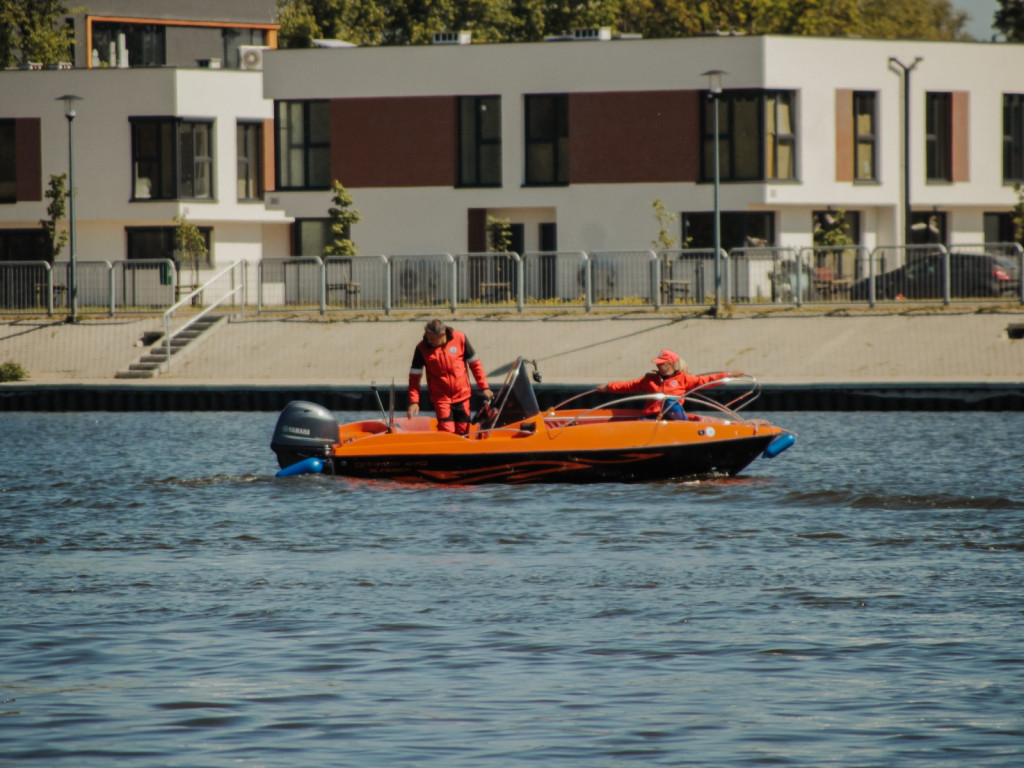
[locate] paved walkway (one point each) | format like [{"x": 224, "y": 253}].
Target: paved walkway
[{"x": 784, "y": 347}]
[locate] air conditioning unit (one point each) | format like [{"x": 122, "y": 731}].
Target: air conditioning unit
[{"x": 251, "y": 56}]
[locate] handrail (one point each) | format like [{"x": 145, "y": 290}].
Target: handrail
[
  {"x": 236, "y": 290},
  {"x": 730, "y": 408}
]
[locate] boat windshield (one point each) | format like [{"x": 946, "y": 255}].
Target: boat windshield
[{"x": 516, "y": 399}]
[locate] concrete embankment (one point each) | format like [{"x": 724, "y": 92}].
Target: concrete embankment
[{"x": 937, "y": 359}]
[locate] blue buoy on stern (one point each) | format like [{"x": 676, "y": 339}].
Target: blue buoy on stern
[
  {"x": 310, "y": 466},
  {"x": 779, "y": 444}
]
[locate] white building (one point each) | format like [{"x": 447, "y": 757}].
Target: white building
[{"x": 572, "y": 141}]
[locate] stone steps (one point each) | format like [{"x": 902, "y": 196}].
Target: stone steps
[{"x": 149, "y": 365}]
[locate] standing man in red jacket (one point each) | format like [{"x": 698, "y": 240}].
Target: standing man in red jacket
[
  {"x": 671, "y": 378},
  {"x": 445, "y": 354}
]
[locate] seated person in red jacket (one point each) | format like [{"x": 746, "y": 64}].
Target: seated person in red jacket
[
  {"x": 445, "y": 354},
  {"x": 671, "y": 378}
]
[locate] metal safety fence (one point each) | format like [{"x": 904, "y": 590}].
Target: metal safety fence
[
  {"x": 507, "y": 281},
  {"x": 101, "y": 287}
]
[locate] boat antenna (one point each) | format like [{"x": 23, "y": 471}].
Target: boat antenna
[
  {"x": 380, "y": 404},
  {"x": 391, "y": 406}
]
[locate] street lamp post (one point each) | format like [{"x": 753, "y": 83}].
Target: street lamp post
[
  {"x": 69, "y": 113},
  {"x": 907, "y": 69},
  {"x": 714, "y": 77}
]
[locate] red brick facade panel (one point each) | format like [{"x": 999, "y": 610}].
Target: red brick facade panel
[
  {"x": 394, "y": 142},
  {"x": 634, "y": 137}
]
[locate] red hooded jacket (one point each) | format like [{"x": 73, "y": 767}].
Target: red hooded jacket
[
  {"x": 447, "y": 380},
  {"x": 677, "y": 384}
]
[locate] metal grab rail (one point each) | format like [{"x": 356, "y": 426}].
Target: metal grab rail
[
  {"x": 236, "y": 290},
  {"x": 730, "y": 409}
]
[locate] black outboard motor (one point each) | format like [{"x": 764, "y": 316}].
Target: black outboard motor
[{"x": 303, "y": 430}]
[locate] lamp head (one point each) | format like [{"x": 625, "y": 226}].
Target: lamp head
[
  {"x": 714, "y": 77},
  {"x": 69, "y": 104}
]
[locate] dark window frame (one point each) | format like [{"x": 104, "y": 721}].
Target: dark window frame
[
  {"x": 8, "y": 162},
  {"x": 166, "y": 248},
  {"x": 249, "y": 153},
  {"x": 550, "y": 137},
  {"x": 939, "y": 137},
  {"x": 738, "y": 229},
  {"x": 301, "y": 158},
  {"x": 475, "y": 170},
  {"x": 865, "y": 143},
  {"x": 1013, "y": 138},
  {"x": 735, "y": 133},
  {"x": 145, "y": 43},
  {"x": 324, "y": 223},
  {"x": 177, "y": 162}
]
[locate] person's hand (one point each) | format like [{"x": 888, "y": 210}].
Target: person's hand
[
  {"x": 601, "y": 387},
  {"x": 488, "y": 395},
  {"x": 414, "y": 408}
]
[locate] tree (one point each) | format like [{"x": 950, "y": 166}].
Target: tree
[
  {"x": 343, "y": 216},
  {"x": 665, "y": 219},
  {"x": 1009, "y": 20},
  {"x": 1017, "y": 214},
  {"x": 299, "y": 25},
  {"x": 499, "y": 235},
  {"x": 57, "y": 194},
  {"x": 33, "y": 30},
  {"x": 832, "y": 230},
  {"x": 190, "y": 246}
]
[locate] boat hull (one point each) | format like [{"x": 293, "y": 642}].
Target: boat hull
[{"x": 629, "y": 464}]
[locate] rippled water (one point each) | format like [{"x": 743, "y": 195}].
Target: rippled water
[{"x": 858, "y": 601}]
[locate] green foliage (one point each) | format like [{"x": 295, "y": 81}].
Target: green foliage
[
  {"x": 664, "y": 242},
  {"x": 343, "y": 216},
  {"x": 1009, "y": 20},
  {"x": 33, "y": 30},
  {"x": 299, "y": 25},
  {"x": 190, "y": 245},
  {"x": 832, "y": 230},
  {"x": 405, "y": 22},
  {"x": 499, "y": 235},
  {"x": 12, "y": 371},
  {"x": 1017, "y": 214},
  {"x": 57, "y": 194}
]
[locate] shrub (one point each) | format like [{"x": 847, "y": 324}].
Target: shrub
[{"x": 12, "y": 371}]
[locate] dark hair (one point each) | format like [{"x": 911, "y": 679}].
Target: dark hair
[{"x": 435, "y": 327}]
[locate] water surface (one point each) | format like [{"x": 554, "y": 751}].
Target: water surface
[{"x": 168, "y": 602}]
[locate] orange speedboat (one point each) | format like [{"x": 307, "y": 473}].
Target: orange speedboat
[{"x": 513, "y": 441}]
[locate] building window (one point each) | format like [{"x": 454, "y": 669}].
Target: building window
[
  {"x": 172, "y": 159},
  {"x": 938, "y": 137},
  {"x": 547, "y": 139},
  {"x": 780, "y": 138},
  {"x": 24, "y": 245},
  {"x": 1013, "y": 137},
  {"x": 740, "y": 229},
  {"x": 756, "y": 136},
  {"x": 999, "y": 228},
  {"x": 864, "y": 139},
  {"x": 145, "y": 43},
  {"x": 158, "y": 243},
  {"x": 303, "y": 146},
  {"x": 249, "y": 145},
  {"x": 480, "y": 141},
  {"x": 234, "y": 37},
  {"x": 8, "y": 166},
  {"x": 928, "y": 228},
  {"x": 312, "y": 236}
]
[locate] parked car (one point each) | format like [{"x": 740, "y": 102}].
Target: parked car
[{"x": 970, "y": 275}]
